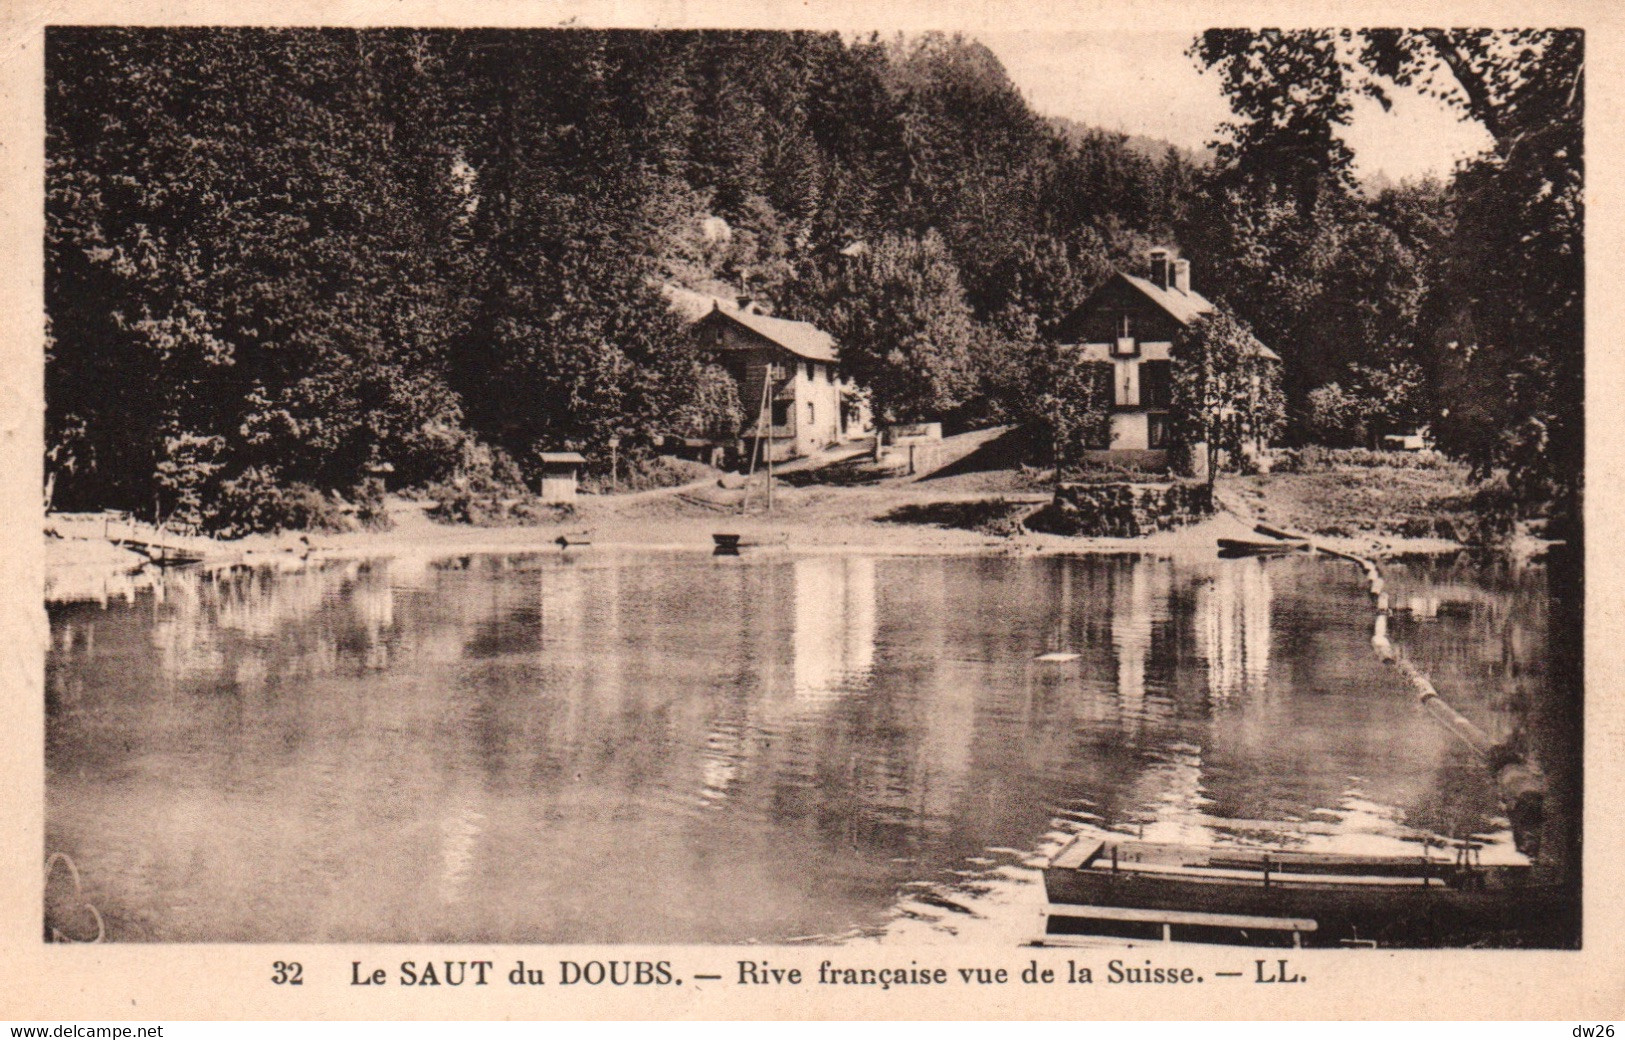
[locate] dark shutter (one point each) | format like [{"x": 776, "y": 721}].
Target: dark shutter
[{"x": 1156, "y": 384}]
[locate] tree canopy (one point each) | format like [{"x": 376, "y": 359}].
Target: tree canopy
[
  {"x": 1477, "y": 288},
  {"x": 318, "y": 258},
  {"x": 313, "y": 257}
]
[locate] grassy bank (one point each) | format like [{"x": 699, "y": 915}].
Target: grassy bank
[{"x": 1364, "y": 496}]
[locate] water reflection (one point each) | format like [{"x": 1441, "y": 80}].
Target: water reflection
[
  {"x": 834, "y": 625},
  {"x": 665, "y": 747},
  {"x": 1233, "y": 628}
]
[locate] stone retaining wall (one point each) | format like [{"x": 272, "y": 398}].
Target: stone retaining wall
[{"x": 1123, "y": 510}]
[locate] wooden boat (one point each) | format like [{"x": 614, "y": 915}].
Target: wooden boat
[
  {"x": 727, "y": 544},
  {"x": 567, "y": 541},
  {"x": 159, "y": 554},
  {"x": 1261, "y": 897},
  {"x": 1257, "y": 547}
]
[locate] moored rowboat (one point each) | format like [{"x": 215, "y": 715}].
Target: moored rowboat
[
  {"x": 1260, "y": 897},
  {"x": 1253, "y": 546}
]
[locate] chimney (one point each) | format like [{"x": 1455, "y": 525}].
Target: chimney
[
  {"x": 1159, "y": 268},
  {"x": 1182, "y": 275}
]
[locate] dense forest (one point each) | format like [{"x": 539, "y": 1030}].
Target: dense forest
[{"x": 285, "y": 263}]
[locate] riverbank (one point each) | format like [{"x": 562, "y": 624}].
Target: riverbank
[
  {"x": 902, "y": 516},
  {"x": 975, "y": 500}
]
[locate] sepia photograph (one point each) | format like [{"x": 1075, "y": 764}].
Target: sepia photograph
[{"x": 854, "y": 488}]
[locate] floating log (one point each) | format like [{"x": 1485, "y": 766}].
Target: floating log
[
  {"x": 1521, "y": 785},
  {"x": 1296, "y": 536}
]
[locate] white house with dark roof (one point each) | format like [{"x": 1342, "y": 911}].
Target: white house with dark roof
[
  {"x": 787, "y": 375},
  {"x": 1136, "y": 324},
  {"x": 787, "y": 372}
]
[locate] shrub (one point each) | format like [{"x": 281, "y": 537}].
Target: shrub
[
  {"x": 247, "y": 503},
  {"x": 371, "y": 511},
  {"x": 1334, "y": 416},
  {"x": 185, "y": 473},
  {"x": 1492, "y": 512},
  {"x": 530, "y": 511},
  {"x": 641, "y": 470},
  {"x": 482, "y": 490},
  {"x": 1122, "y": 510},
  {"x": 256, "y": 502},
  {"x": 1315, "y": 458},
  {"x": 303, "y": 508}
]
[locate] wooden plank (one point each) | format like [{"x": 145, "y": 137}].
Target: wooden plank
[
  {"x": 1277, "y": 877},
  {"x": 1080, "y": 853},
  {"x": 1325, "y": 827},
  {"x": 1132, "y": 852},
  {"x": 1184, "y": 917}
]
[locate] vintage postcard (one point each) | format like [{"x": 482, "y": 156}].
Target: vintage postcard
[{"x": 844, "y": 511}]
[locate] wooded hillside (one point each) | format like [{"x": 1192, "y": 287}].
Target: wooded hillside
[{"x": 322, "y": 260}]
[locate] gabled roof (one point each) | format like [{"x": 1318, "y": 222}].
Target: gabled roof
[
  {"x": 1183, "y": 305},
  {"x": 798, "y": 337}
]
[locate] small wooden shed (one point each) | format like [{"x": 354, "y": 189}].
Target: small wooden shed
[{"x": 560, "y": 470}]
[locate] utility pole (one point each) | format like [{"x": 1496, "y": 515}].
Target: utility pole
[
  {"x": 769, "y": 455},
  {"x": 758, "y": 451}
]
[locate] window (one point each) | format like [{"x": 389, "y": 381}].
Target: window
[
  {"x": 809, "y": 371},
  {"x": 811, "y": 414},
  {"x": 1157, "y": 430},
  {"x": 1156, "y": 384},
  {"x": 1125, "y": 345},
  {"x": 781, "y": 413}
]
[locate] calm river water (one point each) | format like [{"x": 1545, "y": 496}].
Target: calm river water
[{"x": 664, "y": 747}]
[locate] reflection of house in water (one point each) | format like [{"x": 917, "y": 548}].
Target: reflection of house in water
[
  {"x": 1232, "y": 617},
  {"x": 409, "y": 571},
  {"x": 1139, "y": 599},
  {"x": 1233, "y": 627},
  {"x": 831, "y": 650},
  {"x": 918, "y": 761},
  {"x": 834, "y": 641}
]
